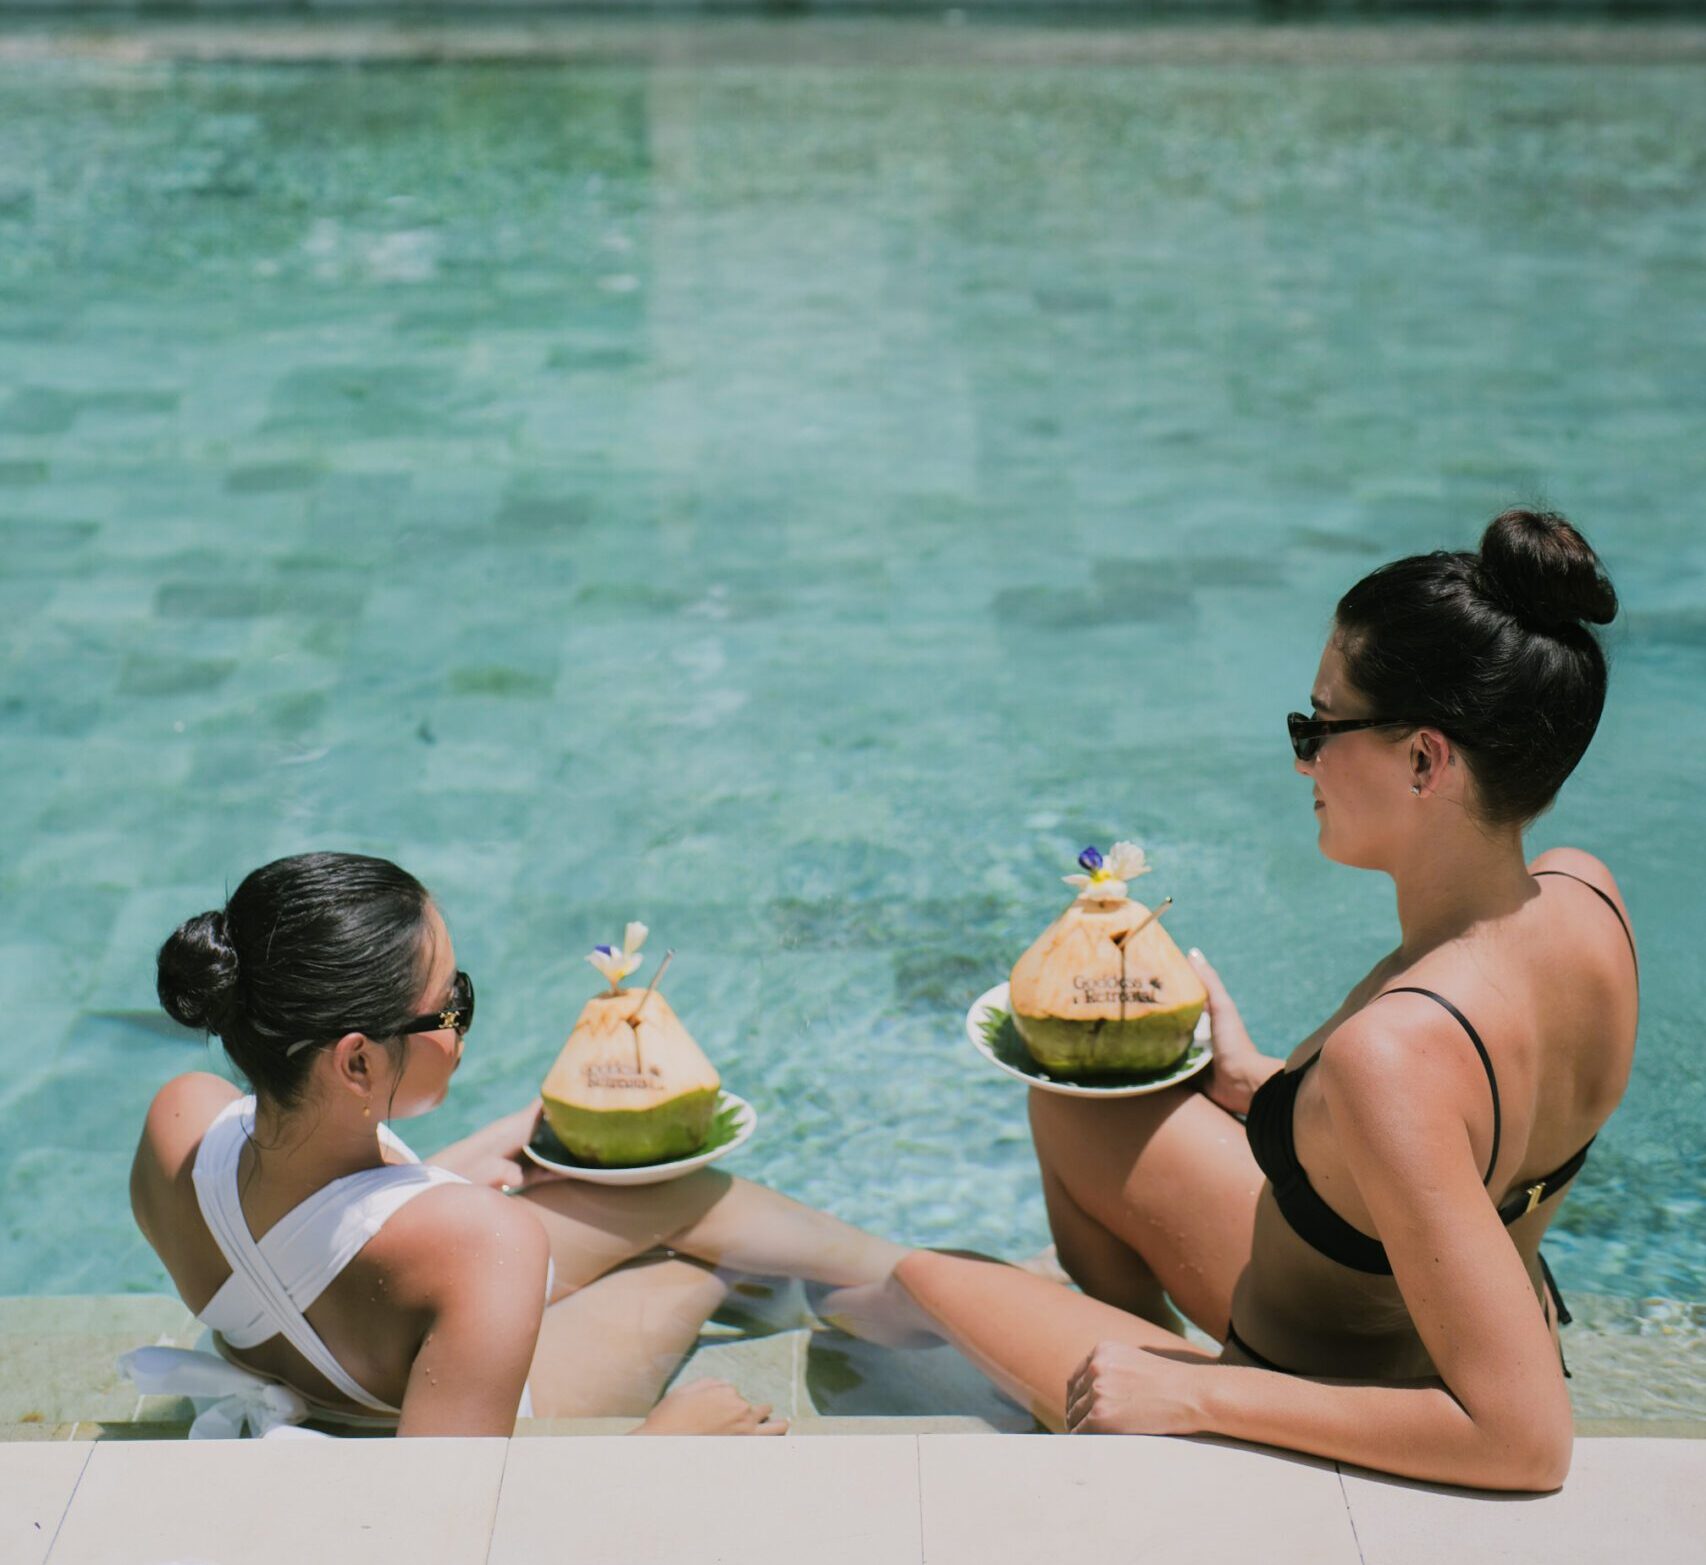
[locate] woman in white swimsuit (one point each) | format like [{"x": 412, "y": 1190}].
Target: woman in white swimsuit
[{"x": 364, "y": 1287}]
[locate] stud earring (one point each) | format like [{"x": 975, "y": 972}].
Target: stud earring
[{"x": 1415, "y": 788}]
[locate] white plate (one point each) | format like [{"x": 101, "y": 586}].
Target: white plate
[
  {"x": 1019, "y": 1064},
  {"x": 746, "y": 1121}
]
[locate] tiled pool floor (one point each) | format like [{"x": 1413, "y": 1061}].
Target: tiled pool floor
[{"x": 837, "y": 492}]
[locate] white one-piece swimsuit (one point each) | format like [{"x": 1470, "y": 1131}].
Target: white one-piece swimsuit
[{"x": 273, "y": 1282}]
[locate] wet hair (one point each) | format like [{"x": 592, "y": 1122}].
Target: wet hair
[
  {"x": 1494, "y": 650},
  {"x": 306, "y": 949}
]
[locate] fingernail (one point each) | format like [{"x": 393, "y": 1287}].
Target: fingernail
[{"x": 1194, "y": 954}]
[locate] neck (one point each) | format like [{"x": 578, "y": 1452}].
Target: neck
[
  {"x": 1455, "y": 880},
  {"x": 315, "y": 1143}
]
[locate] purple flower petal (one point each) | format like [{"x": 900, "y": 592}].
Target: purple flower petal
[
  {"x": 1090, "y": 861},
  {"x": 605, "y": 950}
]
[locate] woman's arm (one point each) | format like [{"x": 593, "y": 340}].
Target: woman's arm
[
  {"x": 488, "y": 1295},
  {"x": 1501, "y": 1419}
]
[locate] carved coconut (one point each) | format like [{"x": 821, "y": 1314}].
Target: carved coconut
[
  {"x": 630, "y": 1090},
  {"x": 1091, "y": 997}
]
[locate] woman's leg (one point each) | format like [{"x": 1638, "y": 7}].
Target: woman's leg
[
  {"x": 1147, "y": 1197},
  {"x": 608, "y": 1349},
  {"x": 1104, "y": 1266},
  {"x": 1026, "y": 1333},
  {"x": 1149, "y": 1193},
  {"x": 727, "y": 1222}
]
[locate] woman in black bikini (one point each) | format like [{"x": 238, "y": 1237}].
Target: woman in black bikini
[{"x": 1367, "y": 1244}]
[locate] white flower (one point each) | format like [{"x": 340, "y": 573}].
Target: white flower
[
  {"x": 616, "y": 965},
  {"x": 1125, "y": 861}
]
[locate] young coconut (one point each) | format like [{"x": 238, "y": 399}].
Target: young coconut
[
  {"x": 631, "y": 1086},
  {"x": 1104, "y": 989}
]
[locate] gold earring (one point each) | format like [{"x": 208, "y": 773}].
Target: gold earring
[{"x": 366, "y": 1111}]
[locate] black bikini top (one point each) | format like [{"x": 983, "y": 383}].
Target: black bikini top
[{"x": 1269, "y": 1127}]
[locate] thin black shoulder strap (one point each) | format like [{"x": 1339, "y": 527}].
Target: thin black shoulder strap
[
  {"x": 1480, "y": 1048},
  {"x": 1628, "y": 935}
]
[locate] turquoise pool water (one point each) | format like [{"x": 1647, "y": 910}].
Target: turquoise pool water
[{"x": 798, "y": 504}]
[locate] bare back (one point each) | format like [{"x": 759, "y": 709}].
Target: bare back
[
  {"x": 1551, "y": 991},
  {"x": 373, "y": 1316}
]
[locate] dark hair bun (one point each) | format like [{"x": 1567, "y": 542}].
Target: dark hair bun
[
  {"x": 197, "y": 973},
  {"x": 1537, "y": 566}
]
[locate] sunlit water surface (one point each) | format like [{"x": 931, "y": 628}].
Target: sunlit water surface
[{"x": 799, "y": 506}]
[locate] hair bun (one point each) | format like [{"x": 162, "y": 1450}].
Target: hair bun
[
  {"x": 1536, "y": 565},
  {"x": 196, "y": 975}
]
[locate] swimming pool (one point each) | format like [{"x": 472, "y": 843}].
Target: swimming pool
[{"x": 798, "y": 500}]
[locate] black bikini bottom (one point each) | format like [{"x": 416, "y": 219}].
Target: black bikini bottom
[
  {"x": 1233, "y": 1340},
  {"x": 1564, "y": 1317}
]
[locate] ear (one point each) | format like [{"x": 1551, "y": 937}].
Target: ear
[
  {"x": 1430, "y": 753},
  {"x": 355, "y": 1063}
]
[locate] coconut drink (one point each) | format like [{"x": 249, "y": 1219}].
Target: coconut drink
[
  {"x": 631, "y": 1086},
  {"x": 1104, "y": 989}
]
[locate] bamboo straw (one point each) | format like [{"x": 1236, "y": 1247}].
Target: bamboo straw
[
  {"x": 667, "y": 956},
  {"x": 1125, "y": 940},
  {"x": 634, "y": 1016},
  {"x": 1137, "y": 929}
]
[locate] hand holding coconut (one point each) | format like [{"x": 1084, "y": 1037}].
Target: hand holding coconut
[
  {"x": 1239, "y": 1067},
  {"x": 492, "y": 1156}
]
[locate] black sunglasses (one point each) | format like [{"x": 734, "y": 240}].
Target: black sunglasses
[
  {"x": 458, "y": 1014},
  {"x": 1308, "y": 734}
]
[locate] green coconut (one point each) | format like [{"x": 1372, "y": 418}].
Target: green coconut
[
  {"x": 1105, "y": 990},
  {"x": 631, "y": 1087}
]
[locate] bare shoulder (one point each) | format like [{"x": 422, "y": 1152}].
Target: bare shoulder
[
  {"x": 1397, "y": 1076},
  {"x": 1375, "y": 1059},
  {"x": 179, "y": 1114},
  {"x": 177, "y": 1119},
  {"x": 1584, "y": 866},
  {"x": 457, "y": 1240}
]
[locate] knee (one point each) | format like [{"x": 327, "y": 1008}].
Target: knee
[
  {"x": 913, "y": 1267},
  {"x": 920, "y": 1272},
  {"x": 930, "y": 1276}
]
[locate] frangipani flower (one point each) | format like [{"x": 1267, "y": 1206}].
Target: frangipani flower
[
  {"x": 617, "y": 965},
  {"x": 1105, "y": 879}
]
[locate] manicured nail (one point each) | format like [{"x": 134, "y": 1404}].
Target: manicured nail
[{"x": 1194, "y": 954}]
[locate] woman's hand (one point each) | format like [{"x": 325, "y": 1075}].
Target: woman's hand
[
  {"x": 1239, "y": 1068},
  {"x": 493, "y": 1155},
  {"x": 1126, "y": 1390},
  {"x": 710, "y": 1407}
]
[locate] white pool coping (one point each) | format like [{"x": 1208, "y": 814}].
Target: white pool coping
[{"x": 863, "y": 1500}]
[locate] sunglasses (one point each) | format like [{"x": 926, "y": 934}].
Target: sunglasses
[
  {"x": 458, "y": 1014},
  {"x": 1308, "y": 734}
]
